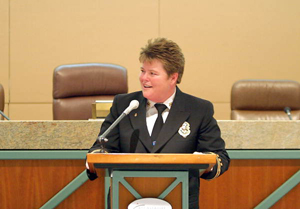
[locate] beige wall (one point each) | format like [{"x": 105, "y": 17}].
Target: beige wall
[
  {"x": 223, "y": 41},
  {"x": 4, "y": 50}
]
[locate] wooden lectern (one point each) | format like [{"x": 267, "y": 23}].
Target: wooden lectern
[{"x": 133, "y": 166}]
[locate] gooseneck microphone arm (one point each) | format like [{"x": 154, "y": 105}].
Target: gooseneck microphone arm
[
  {"x": 134, "y": 104},
  {"x": 2, "y": 113},
  {"x": 287, "y": 110},
  {"x": 116, "y": 122}
]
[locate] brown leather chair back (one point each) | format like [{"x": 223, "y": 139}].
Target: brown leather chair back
[
  {"x": 265, "y": 99},
  {"x": 2, "y": 100},
  {"x": 77, "y": 86}
]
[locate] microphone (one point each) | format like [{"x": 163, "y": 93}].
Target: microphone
[
  {"x": 287, "y": 110},
  {"x": 134, "y": 104},
  {"x": 2, "y": 113}
]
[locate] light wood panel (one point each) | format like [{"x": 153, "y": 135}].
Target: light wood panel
[
  {"x": 6, "y": 111},
  {"x": 222, "y": 42},
  {"x": 246, "y": 184},
  {"x": 32, "y": 111},
  {"x": 31, "y": 183},
  {"x": 4, "y": 47},
  {"x": 44, "y": 111},
  {"x": 222, "y": 111},
  {"x": 45, "y": 34},
  {"x": 146, "y": 159},
  {"x": 227, "y": 41}
]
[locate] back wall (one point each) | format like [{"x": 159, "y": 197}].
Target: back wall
[{"x": 223, "y": 41}]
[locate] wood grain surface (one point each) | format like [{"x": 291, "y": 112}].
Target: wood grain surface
[{"x": 31, "y": 183}]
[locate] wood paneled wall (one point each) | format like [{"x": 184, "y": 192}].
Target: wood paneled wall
[
  {"x": 223, "y": 41},
  {"x": 31, "y": 183}
]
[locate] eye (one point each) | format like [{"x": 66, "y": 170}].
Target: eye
[{"x": 153, "y": 73}]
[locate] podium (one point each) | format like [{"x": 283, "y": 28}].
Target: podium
[{"x": 116, "y": 167}]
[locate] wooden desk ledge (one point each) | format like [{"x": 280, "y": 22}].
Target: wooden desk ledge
[{"x": 138, "y": 158}]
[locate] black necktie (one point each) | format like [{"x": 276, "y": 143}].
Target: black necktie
[{"x": 158, "y": 123}]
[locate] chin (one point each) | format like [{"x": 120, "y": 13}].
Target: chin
[{"x": 149, "y": 96}]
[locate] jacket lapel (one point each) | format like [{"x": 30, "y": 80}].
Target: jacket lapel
[
  {"x": 138, "y": 121},
  {"x": 176, "y": 118}
]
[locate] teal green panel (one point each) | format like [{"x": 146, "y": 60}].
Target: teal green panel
[
  {"x": 130, "y": 188},
  {"x": 42, "y": 154},
  {"x": 81, "y": 154},
  {"x": 280, "y": 192},
  {"x": 66, "y": 191},
  {"x": 264, "y": 154},
  {"x": 181, "y": 176},
  {"x": 169, "y": 189}
]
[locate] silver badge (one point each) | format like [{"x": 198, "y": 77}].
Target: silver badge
[{"x": 184, "y": 130}]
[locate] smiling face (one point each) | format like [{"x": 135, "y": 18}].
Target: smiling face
[{"x": 156, "y": 84}]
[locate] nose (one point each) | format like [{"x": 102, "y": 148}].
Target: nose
[{"x": 144, "y": 77}]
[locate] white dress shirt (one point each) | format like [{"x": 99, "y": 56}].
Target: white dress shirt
[{"x": 151, "y": 112}]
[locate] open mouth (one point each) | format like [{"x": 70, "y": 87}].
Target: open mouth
[{"x": 147, "y": 86}]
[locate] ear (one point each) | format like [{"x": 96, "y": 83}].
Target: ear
[{"x": 174, "y": 77}]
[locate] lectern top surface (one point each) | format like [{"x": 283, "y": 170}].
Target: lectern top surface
[{"x": 147, "y": 158}]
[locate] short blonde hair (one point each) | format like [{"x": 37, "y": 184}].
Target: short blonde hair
[{"x": 168, "y": 52}]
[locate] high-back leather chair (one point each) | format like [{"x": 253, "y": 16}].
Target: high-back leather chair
[
  {"x": 2, "y": 100},
  {"x": 77, "y": 86},
  {"x": 265, "y": 99}
]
